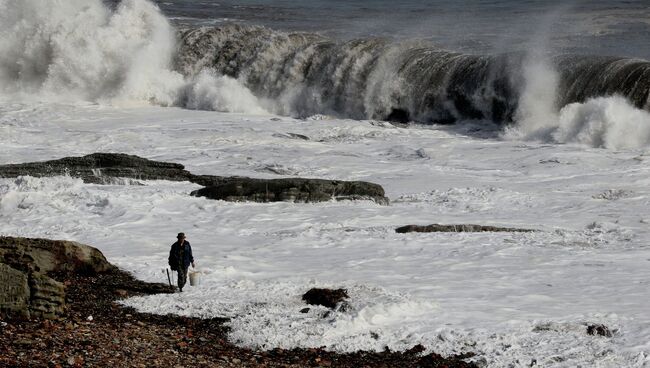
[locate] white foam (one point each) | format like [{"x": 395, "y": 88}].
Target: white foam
[
  {"x": 610, "y": 122},
  {"x": 453, "y": 292},
  {"x": 604, "y": 122},
  {"x": 210, "y": 91},
  {"x": 81, "y": 50}
]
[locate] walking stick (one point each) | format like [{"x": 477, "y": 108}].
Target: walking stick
[{"x": 168, "y": 277}]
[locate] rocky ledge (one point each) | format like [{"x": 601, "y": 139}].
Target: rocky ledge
[
  {"x": 460, "y": 228},
  {"x": 292, "y": 190},
  {"x": 94, "y": 331},
  {"x": 113, "y": 168}
]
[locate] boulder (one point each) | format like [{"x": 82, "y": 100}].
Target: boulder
[
  {"x": 326, "y": 297},
  {"x": 434, "y": 228},
  {"x": 43, "y": 255},
  {"x": 292, "y": 190},
  {"x": 26, "y": 289}
]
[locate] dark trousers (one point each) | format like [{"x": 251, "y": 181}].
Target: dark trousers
[{"x": 182, "y": 277}]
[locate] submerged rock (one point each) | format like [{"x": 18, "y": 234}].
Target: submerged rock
[
  {"x": 461, "y": 228},
  {"x": 111, "y": 168},
  {"x": 600, "y": 330},
  {"x": 329, "y": 298}
]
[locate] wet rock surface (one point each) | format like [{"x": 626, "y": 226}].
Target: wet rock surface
[
  {"x": 97, "y": 332},
  {"x": 329, "y": 298},
  {"x": 100, "y": 168},
  {"x": 112, "y": 168},
  {"x": 434, "y": 228},
  {"x": 599, "y": 330},
  {"x": 292, "y": 190}
]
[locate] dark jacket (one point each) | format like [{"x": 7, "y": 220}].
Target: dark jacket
[{"x": 175, "y": 255}]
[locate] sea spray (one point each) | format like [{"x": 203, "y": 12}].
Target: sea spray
[
  {"x": 82, "y": 50},
  {"x": 130, "y": 54},
  {"x": 210, "y": 91},
  {"x": 605, "y": 122},
  {"x": 537, "y": 108},
  {"x": 608, "y": 122}
]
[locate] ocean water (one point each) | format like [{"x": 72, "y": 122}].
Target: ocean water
[
  {"x": 593, "y": 27},
  {"x": 530, "y": 114}
]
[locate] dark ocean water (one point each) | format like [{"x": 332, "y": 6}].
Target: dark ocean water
[{"x": 617, "y": 27}]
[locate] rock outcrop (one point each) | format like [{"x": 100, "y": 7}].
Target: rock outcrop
[
  {"x": 329, "y": 298},
  {"x": 14, "y": 291},
  {"x": 112, "y": 168},
  {"x": 461, "y": 228},
  {"x": 44, "y": 256},
  {"x": 292, "y": 190},
  {"x": 100, "y": 168},
  {"x": 26, "y": 289}
]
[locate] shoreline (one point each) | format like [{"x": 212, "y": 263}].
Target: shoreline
[{"x": 96, "y": 331}]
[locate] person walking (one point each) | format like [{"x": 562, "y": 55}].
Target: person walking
[{"x": 180, "y": 258}]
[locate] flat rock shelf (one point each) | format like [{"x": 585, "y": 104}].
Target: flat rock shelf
[{"x": 119, "y": 168}]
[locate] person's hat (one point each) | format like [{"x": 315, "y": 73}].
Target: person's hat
[{"x": 180, "y": 235}]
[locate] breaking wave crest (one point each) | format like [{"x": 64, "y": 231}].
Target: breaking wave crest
[
  {"x": 82, "y": 49},
  {"x": 372, "y": 78}
]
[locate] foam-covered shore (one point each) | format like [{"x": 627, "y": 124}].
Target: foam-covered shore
[{"x": 490, "y": 293}]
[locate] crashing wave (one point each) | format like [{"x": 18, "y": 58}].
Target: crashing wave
[
  {"x": 129, "y": 53},
  {"x": 306, "y": 74}
]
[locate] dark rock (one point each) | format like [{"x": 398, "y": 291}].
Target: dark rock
[
  {"x": 292, "y": 190},
  {"x": 326, "y": 297},
  {"x": 101, "y": 168},
  {"x": 112, "y": 168},
  {"x": 600, "y": 330},
  {"x": 416, "y": 349},
  {"x": 291, "y": 136},
  {"x": 304, "y": 310},
  {"x": 455, "y": 229}
]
